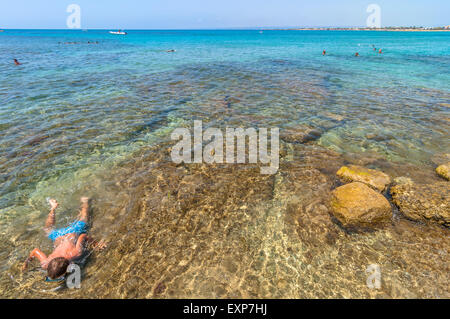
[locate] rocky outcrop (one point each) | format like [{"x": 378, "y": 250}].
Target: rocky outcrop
[
  {"x": 373, "y": 178},
  {"x": 444, "y": 171},
  {"x": 357, "y": 205},
  {"x": 423, "y": 202}
]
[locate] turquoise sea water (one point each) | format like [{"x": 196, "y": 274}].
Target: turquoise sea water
[
  {"x": 73, "y": 114},
  {"x": 94, "y": 96}
]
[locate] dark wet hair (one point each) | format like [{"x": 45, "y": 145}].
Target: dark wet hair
[{"x": 57, "y": 267}]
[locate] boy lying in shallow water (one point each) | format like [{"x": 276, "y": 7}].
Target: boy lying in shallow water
[{"x": 69, "y": 242}]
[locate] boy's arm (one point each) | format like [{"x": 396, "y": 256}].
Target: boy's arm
[
  {"x": 80, "y": 242},
  {"x": 35, "y": 253}
]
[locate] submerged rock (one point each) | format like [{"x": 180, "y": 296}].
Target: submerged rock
[
  {"x": 378, "y": 137},
  {"x": 440, "y": 158},
  {"x": 356, "y": 205},
  {"x": 444, "y": 171},
  {"x": 333, "y": 116},
  {"x": 300, "y": 135},
  {"x": 402, "y": 180},
  {"x": 354, "y": 173},
  {"x": 423, "y": 202}
]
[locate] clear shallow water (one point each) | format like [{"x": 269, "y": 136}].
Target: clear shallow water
[{"x": 96, "y": 118}]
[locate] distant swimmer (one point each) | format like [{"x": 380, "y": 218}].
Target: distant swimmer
[
  {"x": 17, "y": 62},
  {"x": 380, "y": 51},
  {"x": 356, "y": 54},
  {"x": 172, "y": 50},
  {"x": 324, "y": 52}
]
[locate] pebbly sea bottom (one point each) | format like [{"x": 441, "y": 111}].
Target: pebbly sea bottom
[{"x": 95, "y": 119}]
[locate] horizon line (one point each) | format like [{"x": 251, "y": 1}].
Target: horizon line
[{"x": 225, "y": 28}]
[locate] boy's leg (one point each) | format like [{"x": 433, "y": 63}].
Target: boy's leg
[
  {"x": 50, "y": 222},
  {"x": 84, "y": 213}
]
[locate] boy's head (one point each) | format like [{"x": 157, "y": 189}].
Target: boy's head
[{"x": 57, "y": 267}]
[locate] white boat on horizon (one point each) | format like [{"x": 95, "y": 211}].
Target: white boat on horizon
[{"x": 120, "y": 32}]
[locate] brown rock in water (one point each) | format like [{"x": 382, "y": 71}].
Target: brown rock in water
[
  {"x": 444, "y": 171},
  {"x": 357, "y": 205},
  {"x": 424, "y": 202},
  {"x": 402, "y": 180},
  {"x": 300, "y": 135},
  {"x": 159, "y": 289},
  {"x": 354, "y": 173},
  {"x": 333, "y": 116},
  {"x": 440, "y": 158}
]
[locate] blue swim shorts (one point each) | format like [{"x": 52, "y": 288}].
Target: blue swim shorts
[{"x": 78, "y": 227}]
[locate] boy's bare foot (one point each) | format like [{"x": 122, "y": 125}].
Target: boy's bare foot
[
  {"x": 53, "y": 203},
  {"x": 84, "y": 199}
]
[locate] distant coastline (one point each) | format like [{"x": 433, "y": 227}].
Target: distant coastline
[{"x": 396, "y": 29}]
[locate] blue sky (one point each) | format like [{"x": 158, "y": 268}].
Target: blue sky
[{"x": 200, "y": 14}]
